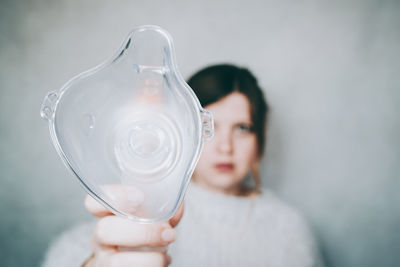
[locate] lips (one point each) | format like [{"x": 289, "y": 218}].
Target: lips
[{"x": 224, "y": 167}]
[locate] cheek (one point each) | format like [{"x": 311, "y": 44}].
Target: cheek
[
  {"x": 247, "y": 150},
  {"x": 207, "y": 151},
  {"x": 205, "y": 157}
]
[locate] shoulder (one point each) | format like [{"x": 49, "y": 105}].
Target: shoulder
[{"x": 71, "y": 247}]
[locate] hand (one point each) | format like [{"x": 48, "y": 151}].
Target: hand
[{"x": 120, "y": 242}]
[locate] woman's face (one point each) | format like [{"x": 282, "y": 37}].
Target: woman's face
[{"x": 228, "y": 157}]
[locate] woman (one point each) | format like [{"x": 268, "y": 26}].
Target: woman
[{"x": 228, "y": 220}]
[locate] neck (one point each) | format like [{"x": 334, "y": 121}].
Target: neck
[
  {"x": 236, "y": 190},
  {"x": 232, "y": 190}
]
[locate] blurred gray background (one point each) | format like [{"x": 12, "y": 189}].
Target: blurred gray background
[{"x": 331, "y": 73}]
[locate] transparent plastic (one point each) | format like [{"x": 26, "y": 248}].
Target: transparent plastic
[{"x": 131, "y": 129}]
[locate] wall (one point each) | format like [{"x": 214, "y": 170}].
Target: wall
[{"x": 330, "y": 70}]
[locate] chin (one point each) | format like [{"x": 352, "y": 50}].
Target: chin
[{"x": 224, "y": 181}]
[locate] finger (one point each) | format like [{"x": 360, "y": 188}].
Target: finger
[
  {"x": 95, "y": 208},
  {"x": 98, "y": 246},
  {"x": 100, "y": 258},
  {"x": 117, "y": 231},
  {"x": 123, "y": 197},
  {"x": 129, "y": 259},
  {"x": 143, "y": 249},
  {"x": 177, "y": 217}
]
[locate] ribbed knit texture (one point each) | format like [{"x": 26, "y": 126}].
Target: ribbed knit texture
[{"x": 217, "y": 230}]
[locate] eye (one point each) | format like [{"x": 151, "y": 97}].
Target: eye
[{"x": 244, "y": 128}]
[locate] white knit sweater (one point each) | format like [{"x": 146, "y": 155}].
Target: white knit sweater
[{"x": 217, "y": 230}]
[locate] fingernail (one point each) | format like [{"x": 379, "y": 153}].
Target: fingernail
[{"x": 168, "y": 235}]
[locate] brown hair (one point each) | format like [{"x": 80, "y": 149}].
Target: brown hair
[{"x": 215, "y": 82}]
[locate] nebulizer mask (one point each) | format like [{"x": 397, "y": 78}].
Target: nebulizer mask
[{"x": 131, "y": 128}]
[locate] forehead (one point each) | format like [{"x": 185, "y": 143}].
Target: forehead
[{"x": 233, "y": 107}]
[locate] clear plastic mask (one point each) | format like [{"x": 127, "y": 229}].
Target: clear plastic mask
[{"x": 131, "y": 129}]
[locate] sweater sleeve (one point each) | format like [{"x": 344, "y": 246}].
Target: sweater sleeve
[{"x": 71, "y": 248}]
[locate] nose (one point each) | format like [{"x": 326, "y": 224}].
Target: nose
[{"x": 225, "y": 142}]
